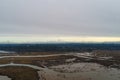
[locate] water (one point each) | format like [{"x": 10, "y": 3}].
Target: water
[
  {"x": 2, "y": 51},
  {"x": 26, "y": 65},
  {"x": 4, "y": 78}
]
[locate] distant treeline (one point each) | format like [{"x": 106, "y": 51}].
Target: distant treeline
[{"x": 61, "y": 47}]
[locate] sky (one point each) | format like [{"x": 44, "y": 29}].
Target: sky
[{"x": 59, "y": 20}]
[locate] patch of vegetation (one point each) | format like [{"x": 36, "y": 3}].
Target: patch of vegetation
[
  {"x": 19, "y": 73},
  {"x": 39, "y": 61}
]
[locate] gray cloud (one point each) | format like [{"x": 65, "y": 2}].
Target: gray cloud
[{"x": 60, "y": 17}]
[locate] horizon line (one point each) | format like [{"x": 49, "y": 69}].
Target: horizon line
[{"x": 27, "y": 39}]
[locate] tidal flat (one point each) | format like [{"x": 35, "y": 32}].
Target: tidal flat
[{"x": 67, "y": 66}]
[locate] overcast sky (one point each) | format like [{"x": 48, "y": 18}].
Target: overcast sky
[{"x": 60, "y": 17}]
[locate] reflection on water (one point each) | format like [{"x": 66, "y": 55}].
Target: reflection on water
[
  {"x": 27, "y": 65},
  {"x": 4, "y": 78},
  {"x": 2, "y": 51}
]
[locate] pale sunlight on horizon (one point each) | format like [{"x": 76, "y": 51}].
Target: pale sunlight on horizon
[{"x": 22, "y": 39}]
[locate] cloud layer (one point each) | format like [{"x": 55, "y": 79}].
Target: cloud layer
[{"x": 60, "y": 17}]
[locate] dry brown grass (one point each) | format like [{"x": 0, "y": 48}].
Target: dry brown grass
[
  {"x": 107, "y": 53},
  {"x": 34, "y": 60},
  {"x": 19, "y": 73}
]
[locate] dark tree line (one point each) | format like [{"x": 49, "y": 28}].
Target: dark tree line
[{"x": 61, "y": 47}]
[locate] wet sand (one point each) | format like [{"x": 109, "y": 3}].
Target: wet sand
[{"x": 80, "y": 71}]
